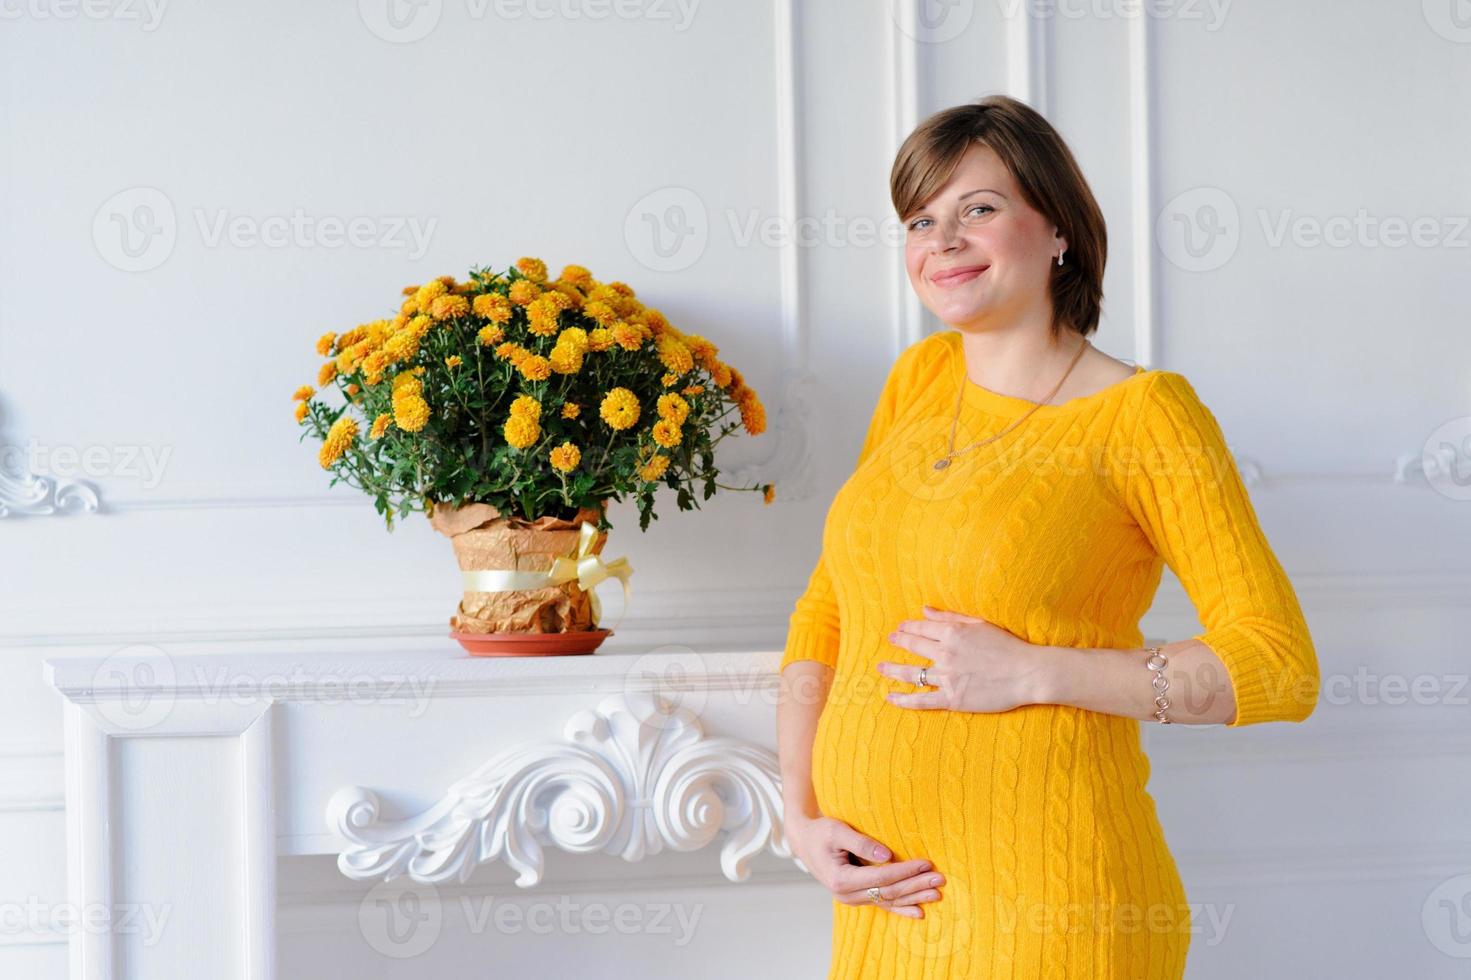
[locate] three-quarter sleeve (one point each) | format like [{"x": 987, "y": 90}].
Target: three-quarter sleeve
[
  {"x": 812, "y": 630},
  {"x": 1185, "y": 491}
]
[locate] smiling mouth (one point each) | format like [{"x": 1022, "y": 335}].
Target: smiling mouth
[{"x": 956, "y": 277}]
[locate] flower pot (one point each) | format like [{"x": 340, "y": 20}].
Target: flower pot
[{"x": 527, "y": 584}]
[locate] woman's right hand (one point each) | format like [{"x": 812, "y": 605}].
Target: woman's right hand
[{"x": 829, "y": 848}]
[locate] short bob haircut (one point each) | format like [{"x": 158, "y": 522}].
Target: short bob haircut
[{"x": 1043, "y": 168}]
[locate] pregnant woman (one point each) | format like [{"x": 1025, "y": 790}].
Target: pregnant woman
[{"x": 964, "y": 676}]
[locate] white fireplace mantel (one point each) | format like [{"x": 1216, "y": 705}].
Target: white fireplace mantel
[{"x": 188, "y": 775}]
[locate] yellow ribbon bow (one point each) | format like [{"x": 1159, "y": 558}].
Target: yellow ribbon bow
[{"x": 588, "y": 568}]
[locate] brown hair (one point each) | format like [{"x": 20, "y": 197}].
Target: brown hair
[{"x": 1043, "y": 168}]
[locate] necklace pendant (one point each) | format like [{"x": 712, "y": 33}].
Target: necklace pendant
[{"x": 940, "y": 464}]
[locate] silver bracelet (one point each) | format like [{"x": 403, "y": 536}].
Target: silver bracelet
[{"x": 1156, "y": 661}]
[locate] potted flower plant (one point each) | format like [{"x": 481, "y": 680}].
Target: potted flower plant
[{"x": 510, "y": 408}]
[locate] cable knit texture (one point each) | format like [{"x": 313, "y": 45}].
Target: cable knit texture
[{"x": 1055, "y": 862}]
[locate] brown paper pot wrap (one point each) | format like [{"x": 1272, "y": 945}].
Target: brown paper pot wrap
[{"x": 485, "y": 539}]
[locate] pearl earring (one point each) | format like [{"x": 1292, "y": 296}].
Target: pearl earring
[{"x": 1060, "y": 255}]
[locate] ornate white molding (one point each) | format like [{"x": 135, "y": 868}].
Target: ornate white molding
[
  {"x": 29, "y": 495},
  {"x": 630, "y": 779}
]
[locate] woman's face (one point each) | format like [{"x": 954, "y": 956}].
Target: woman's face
[{"x": 976, "y": 252}]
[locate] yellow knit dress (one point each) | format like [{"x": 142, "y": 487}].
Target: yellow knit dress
[{"x": 1055, "y": 863}]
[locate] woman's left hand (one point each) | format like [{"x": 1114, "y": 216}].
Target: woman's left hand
[{"x": 974, "y": 664}]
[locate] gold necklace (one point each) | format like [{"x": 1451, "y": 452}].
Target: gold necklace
[{"x": 944, "y": 461}]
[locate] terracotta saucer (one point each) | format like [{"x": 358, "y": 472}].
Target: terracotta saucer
[{"x": 530, "y": 644}]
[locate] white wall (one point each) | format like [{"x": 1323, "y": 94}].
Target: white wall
[{"x": 1333, "y": 846}]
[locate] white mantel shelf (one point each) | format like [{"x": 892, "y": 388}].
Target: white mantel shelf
[{"x": 189, "y": 774}]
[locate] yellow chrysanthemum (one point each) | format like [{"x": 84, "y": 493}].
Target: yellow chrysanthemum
[
  {"x": 526, "y": 407},
  {"x": 449, "y": 307},
  {"x": 576, "y": 275},
  {"x": 600, "y": 312},
  {"x": 534, "y": 367},
  {"x": 669, "y": 380},
  {"x": 574, "y": 338},
  {"x": 568, "y": 292},
  {"x": 303, "y": 393},
  {"x": 628, "y": 335},
  {"x": 753, "y": 413},
  {"x": 380, "y": 425},
  {"x": 419, "y": 326},
  {"x": 523, "y": 292},
  {"x": 339, "y": 437},
  {"x": 673, "y": 408},
  {"x": 326, "y": 373},
  {"x": 571, "y": 410},
  {"x": 541, "y": 322},
  {"x": 352, "y": 390},
  {"x": 428, "y": 293},
  {"x": 620, "y": 408},
  {"x": 666, "y": 433},
  {"x": 600, "y": 339},
  {"x": 654, "y": 468},
  {"x": 410, "y": 412},
  {"x": 720, "y": 374},
  {"x": 325, "y": 342},
  {"x": 566, "y": 457},
  {"x": 350, "y": 337},
  {"x": 300, "y": 411},
  {"x": 401, "y": 346},
  {"x": 490, "y": 334},
  {"x": 692, "y": 390},
  {"x": 521, "y": 431},
  {"x": 374, "y": 365},
  {"x": 533, "y": 269},
  {"x": 493, "y": 307},
  {"x": 565, "y": 360},
  {"x": 407, "y": 383},
  {"x": 511, "y": 351},
  {"x": 409, "y": 290},
  {"x": 453, "y": 361},
  {"x": 675, "y": 355}
]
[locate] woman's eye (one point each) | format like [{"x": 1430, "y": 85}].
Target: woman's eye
[
  {"x": 916, "y": 224},
  {"x": 978, "y": 207}
]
